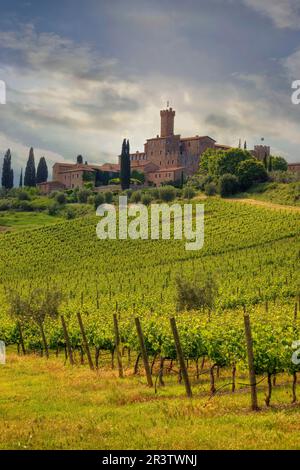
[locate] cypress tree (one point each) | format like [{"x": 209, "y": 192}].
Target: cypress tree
[
  {"x": 270, "y": 163},
  {"x": 42, "y": 171},
  {"x": 21, "y": 179},
  {"x": 265, "y": 161},
  {"x": 125, "y": 165},
  {"x": 245, "y": 145},
  {"x": 7, "y": 172},
  {"x": 30, "y": 175}
]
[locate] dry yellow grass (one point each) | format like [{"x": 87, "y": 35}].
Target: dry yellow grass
[{"x": 46, "y": 405}]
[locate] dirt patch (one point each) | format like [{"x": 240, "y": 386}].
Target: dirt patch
[{"x": 256, "y": 202}]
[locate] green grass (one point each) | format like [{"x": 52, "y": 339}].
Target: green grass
[
  {"x": 23, "y": 220},
  {"x": 277, "y": 193},
  {"x": 46, "y": 405}
]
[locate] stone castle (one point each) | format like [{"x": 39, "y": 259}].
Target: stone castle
[{"x": 168, "y": 157}]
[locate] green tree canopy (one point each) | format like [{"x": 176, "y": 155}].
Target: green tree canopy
[
  {"x": 251, "y": 172},
  {"x": 279, "y": 164},
  {"x": 138, "y": 175},
  {"x": 220, "y": 162}
]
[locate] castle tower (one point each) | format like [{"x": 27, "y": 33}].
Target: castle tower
[{"x": 167, "y": 122}]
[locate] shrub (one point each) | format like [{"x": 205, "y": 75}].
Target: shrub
[
  {"x": 146, "y": 199},
  {"x": 128, "y": 193},
  {"x": 114, "y": 181},
  {"x": 251, "y": 172},
  {"x": 60, "y": 198},
  {"x": 70, "y": 213},
  {"x": 199, "y": 181},
  {"x": 83, "y": 195},
  {"x": 138, "y": 176},
  {"x": 189, "y": 192},
  {"x": 154, "y": 193},
  {"x": 98, "y": 200},
  {"x": 23, "y": 196},
  {"x": 136, "y": 196},
  {"x": 4, "y": 205},
  {"x": 91, "y": 200},
  {"x": 25, "y": 206},
  {"x": 135, "y": 181},
  {"x": 278, "y": 163},
  {"x": 210, "y": 189},
  {"x": 284, "y": 176},
  {"x": 200, "y": 292},
  {"x": 228, "y": 185},
  {"x": 53, "y": 209},
  {"x": 109, "y": 197},
  {"x": 41, "y": 203},
  {"x": 167, "y": 193}
]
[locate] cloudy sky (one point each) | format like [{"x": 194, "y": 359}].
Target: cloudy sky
[{"x": 81, "y": 75}]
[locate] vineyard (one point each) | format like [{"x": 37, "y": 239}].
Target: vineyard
[{"x": 253, "y": 254}]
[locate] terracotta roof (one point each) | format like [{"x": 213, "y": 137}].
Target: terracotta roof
[
  {"x": 64, "y": 164},
  {"x": 78, "y": 168},
  {"x": 109, "y": 167},
  {"x": 198, "y": 137},
  {"x": 139, "y": 162},
  {"x": 50, "y": 182},
  {"x": 165, "y": 138},
  {"x": 220, "y": 146},
  {"x": 164, "y": 170}
]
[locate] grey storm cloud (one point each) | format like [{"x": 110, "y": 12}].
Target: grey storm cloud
[{"x": 68, "y": 94}]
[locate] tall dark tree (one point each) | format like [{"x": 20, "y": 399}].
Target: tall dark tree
[
  {"x": 270, "y": 166},
  {"x": 42, "y": 171},
  {"x": 125, "y": 165},
  {"x": 30, "y": 174},
  {"x": 21, "y": 179},
  {"x": 245, "y": 145},
  {"x": 265, "y": 162},
  {"x": 7, "y": 172},
  {"x": 79, "y": 160}
]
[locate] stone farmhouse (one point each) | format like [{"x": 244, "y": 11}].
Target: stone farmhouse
[{"x": 168, "y": 157}]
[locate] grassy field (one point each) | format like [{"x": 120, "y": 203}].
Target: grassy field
[
  {"x": 278, "y": 193},
  {"x": 25, "y": 220},
  {"x": 46, "y": 405}
]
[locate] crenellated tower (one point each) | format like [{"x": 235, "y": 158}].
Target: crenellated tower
[{"x": 167, "y": 122}]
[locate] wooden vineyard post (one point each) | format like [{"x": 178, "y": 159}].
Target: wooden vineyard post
[
  {"x": 67, "y": 340},
  {"x": 117, "y": 338},
  {"x": 44, "y": 340},
  {"x": 144, "y": 351},
  {"x": 21, "y": 338},
  {"x": 296, "y": 312},
  {"x": 181, "y": 358},
  {"x": 85, "y": 343},
  {"x": 248, "y": 334}
]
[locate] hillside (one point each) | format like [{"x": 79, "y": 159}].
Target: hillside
[
  {"x": 251, "y": 252},
  {"x": 278, "y": 193}
]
